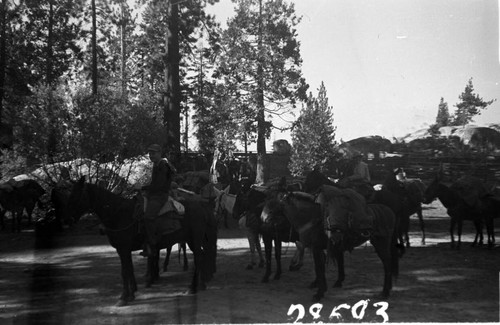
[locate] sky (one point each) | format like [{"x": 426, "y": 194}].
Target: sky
[{"x": 387, "y": 63}]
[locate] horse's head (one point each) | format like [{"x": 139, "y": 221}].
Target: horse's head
[
  {"x": 300, "y": 209},
  {"x": 272, "y": 215},
  {"x": 432, "y": 191},
  {"x": 314, "y": 180},
  {"x": 78, "y": 202},
  {"x": 344, "y": 210}
]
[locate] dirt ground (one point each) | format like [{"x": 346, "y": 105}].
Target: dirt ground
[{"x": 77, "y": 281}]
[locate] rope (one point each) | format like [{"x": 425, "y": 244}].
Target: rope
[{"x": 121, "y": 229}]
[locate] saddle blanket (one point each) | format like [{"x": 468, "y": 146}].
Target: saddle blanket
[{"x": 170, "y": 206}]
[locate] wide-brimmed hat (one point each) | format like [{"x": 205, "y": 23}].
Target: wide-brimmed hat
[{"x": 154, "y": 147}]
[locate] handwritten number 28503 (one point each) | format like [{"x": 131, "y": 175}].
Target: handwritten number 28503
[{"x": 357, "y": 310}]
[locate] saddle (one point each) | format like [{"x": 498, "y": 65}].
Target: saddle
[
  {"x": 170, "y": 206},
  {"x": 169, "y": 218},
  {"x": 345, "y": 210}
]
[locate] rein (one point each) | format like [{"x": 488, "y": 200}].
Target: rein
[{"x": 121, "y": 229}]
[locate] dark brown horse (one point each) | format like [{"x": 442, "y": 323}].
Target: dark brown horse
[
  {"x": 17, "y": 197},
  {"x": 405, "y": 199},
  {"x": 123, "y": 229},
  {"x": 310, "y": 219},
  {"x": 457, "y": 208},
  {"x": 250, "y": 202}
]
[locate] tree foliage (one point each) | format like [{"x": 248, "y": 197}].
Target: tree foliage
[
  {"x": 313, "y": 136},
  {"x": 469, "y": 106},
  {"x": 262, "y": 63},
  {"x": 442, "y": 118}
]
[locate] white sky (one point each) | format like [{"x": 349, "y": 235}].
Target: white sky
[{"x": 387, "y": 63}]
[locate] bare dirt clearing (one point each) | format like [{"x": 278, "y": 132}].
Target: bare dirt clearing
[{"x": 77, "y": 281}]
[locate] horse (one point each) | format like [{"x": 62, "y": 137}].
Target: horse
[
  {"x": 248, "y": 206},
  {"x": 122, "y": 227},
  {"x": 274, "y": 230},
  {"x": 457, "y": 208},
  {"x": 491, "y": 208},
  {"x": 19, "y": 196},
  {"x": 381, "y": 195},
  {"x": 405, "y": 198},
  {"x": 224, "y": 203},
  {"x": 415, "y": 189},
  {"x": 249, "y": 221},
  {"x": 312, "y": 217}
]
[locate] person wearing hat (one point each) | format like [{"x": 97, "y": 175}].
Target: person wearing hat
[
  {"x": 360, "y": 171},
  {"x": 156, "y": 194}
]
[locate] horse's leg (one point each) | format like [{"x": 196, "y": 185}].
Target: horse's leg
[
  {"x": 183, "y": 248},
  {"x": 490, "y": 230},
  {"x": 382, "y": 247},
  {"x": 277, "y": 256},
  {"x": 2, "y": 219},
  {"x": 453, "y": 221},
  {"x": 337, "y": 254},
  {"x": 196, "y": 248},
  {"x": 167, "y": 259},
  {"x": 421, "y": 221},
  {"x": 259, "y": 250},
  {"x": 254, "y": 243},
  {"x": 251, "y": 245},
  {"x": 478, "y": 239},
  {"x": 268, "y": 248},
  {"x": 153, "y": 272},
  {"x": 460, "y": 223},
  {"x": 405, "y": 228},
  {"x": 399, "y": 229},
  {"x": 16, "y": 220},
  {"x": 128, "y": 278},
  {"x": 298, "y": 258},
  {"x": 319, "y": 269}
]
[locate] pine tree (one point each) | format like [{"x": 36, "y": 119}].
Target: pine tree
[
  {"x": 262, "y": 57},
  {"x": 313, "y": 136},
  {"x": 469, "y": 106},
  {"x": 442, "y": 118}
]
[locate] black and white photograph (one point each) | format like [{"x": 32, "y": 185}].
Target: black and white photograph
[{"x": 249, "y": 161}]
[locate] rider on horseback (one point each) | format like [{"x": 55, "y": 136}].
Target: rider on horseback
[
  {"x": 360, "y": 171},
  {"x": 156, "y": 194}
]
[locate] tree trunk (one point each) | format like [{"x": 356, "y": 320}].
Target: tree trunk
[
  {"x": 94, "y": 49},
  {"x": 123, "y": 72},
  {"x": 172, "y": 111},
  {"x": 52, "y": 137},
  {"x": 261, "y": 118},
  {"x": 3, "y": 52}
]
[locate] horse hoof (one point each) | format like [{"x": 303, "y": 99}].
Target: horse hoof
[
  {"x": 384, "y": 295},
  {"x": 317, "y": 297},
  {"x": 295, "y": 267},
  {"x": 121, "y": 303}
]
